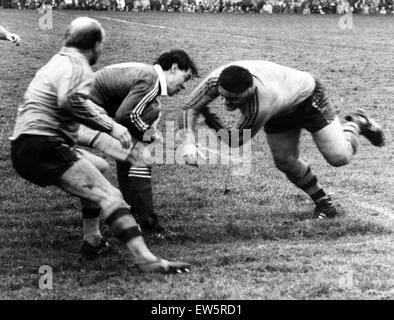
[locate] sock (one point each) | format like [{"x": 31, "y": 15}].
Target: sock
[
  {"x": 351, "y": 130},
  {"x": 308, "y": 183},
  {"x": 123, "y": 225},
  {"x": 139, "y": 193},
  {"x": 136, "y": 187}
]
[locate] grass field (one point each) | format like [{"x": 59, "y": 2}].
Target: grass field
[{"x": 255, "y": 243}]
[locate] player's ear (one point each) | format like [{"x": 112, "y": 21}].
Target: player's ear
[
  {"x": 97, "y": 47},
  {"x": 174, "y": 67}
]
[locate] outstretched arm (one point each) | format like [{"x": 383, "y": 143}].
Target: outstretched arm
[
  {"x": 6, "y": 35},
  {"x": 197, "y": 104}
]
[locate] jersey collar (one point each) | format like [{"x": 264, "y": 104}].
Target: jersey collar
[
  {"x": 162, "y": 79},
  {"x": 74, "y": 52}
]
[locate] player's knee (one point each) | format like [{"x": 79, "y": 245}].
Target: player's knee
[
  {"x": 112, "y": 198},
  {"x": 114, "y": 194},
  {"x": 338, "y": 160},
  {"x": 285, "y": 164}
]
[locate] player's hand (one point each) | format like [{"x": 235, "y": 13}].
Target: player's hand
[
  {"x": 13, "y": 37},
  {"x": 235, "y": 161},
  {"x": 164, "y": 266},
  {"x": 156, "y": 122},
  {"x": 156, "y": 137},
  {"x": 190, "y": 153},
  {"x": 121, "y": 133}
]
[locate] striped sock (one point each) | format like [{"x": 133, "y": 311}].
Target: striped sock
[
  {"x": 137, "y": 191},
  {"x": 351, "y": 130},
  {"x": 308, "y": 183},
  {"x": 140, "y": 172}
]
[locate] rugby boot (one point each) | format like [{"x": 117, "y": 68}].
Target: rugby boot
[
  {"x": 91, "y": 252},
  {"x": 325, "y": 209},
  {"x": 368, "y": 127}
]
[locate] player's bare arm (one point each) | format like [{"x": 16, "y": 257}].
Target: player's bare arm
[{"x": 8, "y": 36}]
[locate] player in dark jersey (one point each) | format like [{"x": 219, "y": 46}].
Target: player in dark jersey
[{"x": 125, "y": 91}]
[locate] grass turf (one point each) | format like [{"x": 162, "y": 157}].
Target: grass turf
[{"x": 255, "y": 243}]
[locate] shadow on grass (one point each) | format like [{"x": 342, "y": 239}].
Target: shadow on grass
[{"x": 296, "y": 229}]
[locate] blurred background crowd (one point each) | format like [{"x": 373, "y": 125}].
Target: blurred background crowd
[{"x": 215, "y": 6}]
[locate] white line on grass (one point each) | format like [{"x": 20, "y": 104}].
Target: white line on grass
[
  {"x": 387, "y": 212},
  {"x": 175, "y": 29},
  {"x": 137, "y": 23}
]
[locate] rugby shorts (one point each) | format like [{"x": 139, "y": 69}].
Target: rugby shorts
[
  {"x": 312, "y": 114},
  {"x": 42, "y": 160}
]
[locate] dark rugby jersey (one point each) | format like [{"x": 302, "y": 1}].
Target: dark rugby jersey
[{"x": 124, "y": 90}]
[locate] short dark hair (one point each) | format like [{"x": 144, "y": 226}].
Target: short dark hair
[
  {"x": 180, "y": 57},
  {"x": 83, "y": 39},
  {"x": 235, "y": 79}
]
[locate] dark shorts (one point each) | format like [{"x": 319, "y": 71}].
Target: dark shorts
[
  {"x": 42, "y": 160},
  {"x": 313, "y": 114}
]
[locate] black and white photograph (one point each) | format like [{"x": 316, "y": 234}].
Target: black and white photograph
[{"x": 204, "y": 151}]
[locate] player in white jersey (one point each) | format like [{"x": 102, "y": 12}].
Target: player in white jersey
[
  {"x": 6, "y": 35},
  {"x": 283, "y": 101},
  {"x": 43, "y": 149}
]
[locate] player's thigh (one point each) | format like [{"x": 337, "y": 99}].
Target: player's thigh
[
  {"x": 84, "y": 180},
  {"x": 285, "y": 146},
  {"x": 332, "y": 143},
  {"x": 97, "y": 161}
]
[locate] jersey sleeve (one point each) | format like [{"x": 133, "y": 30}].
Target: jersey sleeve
[
  {"x": 197, "y": 105},
  {"x": 129, "y": 113},
  {"x": 73, "y": 93}
]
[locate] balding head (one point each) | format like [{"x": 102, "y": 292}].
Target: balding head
[{"x": 83, "y": 33}]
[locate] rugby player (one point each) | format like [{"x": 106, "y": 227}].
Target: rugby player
[
  {"x": 283, "y": 101},
  {"x": 43, "y": 143},
  {"x": 6, "y": 35},
  {"x": 129, "y": 92}
]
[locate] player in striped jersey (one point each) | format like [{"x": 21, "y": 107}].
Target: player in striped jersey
[
  {"x": 6, "y": 35},
  {"x": 43, "y": 147},
  {"x": 125, "y": 91},
  {"x": 283, "y": 101}
]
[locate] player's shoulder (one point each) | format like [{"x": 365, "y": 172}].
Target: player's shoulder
[
  {"x": 134, "y": 71},
  {"x": 59, "y": 66},
  {"x": 132, "y": 67}
]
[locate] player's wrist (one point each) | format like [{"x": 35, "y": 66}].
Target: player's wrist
[{"x": 189, "y": 138}]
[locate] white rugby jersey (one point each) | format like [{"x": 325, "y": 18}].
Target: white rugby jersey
[
  {"x": 279, "y": 90},
  {"x": 55, "y": 102}
]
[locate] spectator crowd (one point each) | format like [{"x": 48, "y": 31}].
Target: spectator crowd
[{"x": 215, "y": 6}]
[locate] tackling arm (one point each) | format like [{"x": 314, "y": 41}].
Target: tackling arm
[
  {"x": 197, "y": 104},
  {"x": 134, "y": 105},
  {"x": 6, "y": 35}
]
